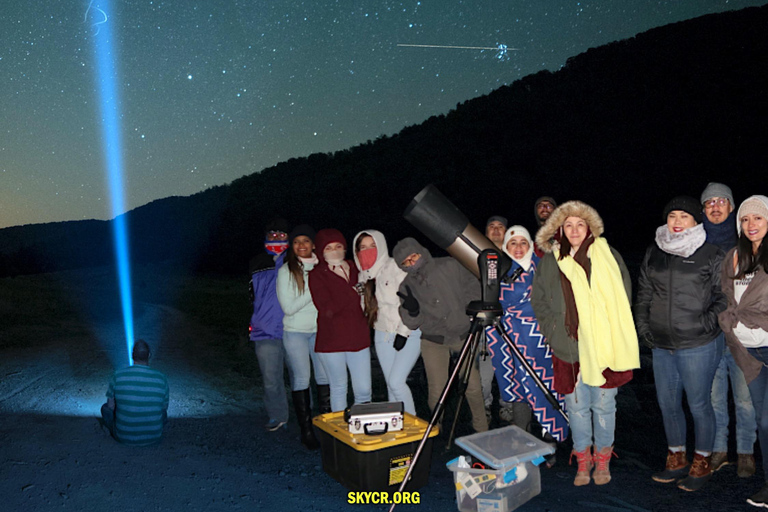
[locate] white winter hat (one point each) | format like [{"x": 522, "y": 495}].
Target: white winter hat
[
  {"x": 519, "y": 231},
  {"x": 753, "y": 204}
]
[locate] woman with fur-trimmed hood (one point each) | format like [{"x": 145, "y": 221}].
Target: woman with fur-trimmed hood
[{"x": 581, "y": 297}]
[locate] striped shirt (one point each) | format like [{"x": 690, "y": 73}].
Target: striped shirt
[{"x": 141, "y": 402}]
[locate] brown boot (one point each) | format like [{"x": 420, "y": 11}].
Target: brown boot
[
  {"x": 584, "y": 460},
  {"x": 746, "y": 465},
  {"x": 676, "y": 468},
  {"x": 602, "y": 459},
  {"x": 700, "y": 473},
  {"x": 719, "y": 459}
]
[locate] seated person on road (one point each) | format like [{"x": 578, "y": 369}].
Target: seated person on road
[{"x": 137, "y": 401}]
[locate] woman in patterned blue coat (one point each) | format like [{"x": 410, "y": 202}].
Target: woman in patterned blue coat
[{"x": 522, "y": 327}]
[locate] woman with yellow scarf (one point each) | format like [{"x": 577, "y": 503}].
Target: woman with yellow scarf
[{"x": 581, "y": 297}]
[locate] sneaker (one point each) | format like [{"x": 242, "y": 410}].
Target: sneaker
[
  {"x": 719, "y": 459},
  {"x": 760, "y": 498},
  {"x": 746, "y": 465},
  {"x": 274, "y": 425},
  {"x": 700, "y": 473},
  {"x": 676, "y": 468}
]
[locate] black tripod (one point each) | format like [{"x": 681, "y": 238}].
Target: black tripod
[{"x": 483, "y": 314}]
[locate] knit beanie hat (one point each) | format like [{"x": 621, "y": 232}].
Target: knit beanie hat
[
  {"x": 497, "y": 218},
  {"x": 301, "y": 230},
  {"x": 754, "y": 204},
  {"x": 686, "y": 204},
  {"x": 717, "y": 190},
  {"x": 277, "y": 224},
  {"x": 326, "y": 236}
]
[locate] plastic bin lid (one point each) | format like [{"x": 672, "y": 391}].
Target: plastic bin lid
[{"x": 504, "y": 447}]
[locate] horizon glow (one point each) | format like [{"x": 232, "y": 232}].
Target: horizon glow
[{"x": 109, "y": 102}]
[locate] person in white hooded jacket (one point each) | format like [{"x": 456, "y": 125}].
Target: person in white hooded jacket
[{"x": 397, "y": 347}]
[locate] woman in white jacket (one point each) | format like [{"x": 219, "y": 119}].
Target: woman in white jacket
[{"x": 397, "y": 347}]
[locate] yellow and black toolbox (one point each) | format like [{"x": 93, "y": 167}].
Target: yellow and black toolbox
[{"x": 363, "y": 462}]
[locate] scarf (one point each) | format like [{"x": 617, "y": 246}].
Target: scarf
[
  {"x": 309, "y": 261},
  {"x": 571, "y": 312},
  {"x": 681, "y": 244},
  {"x": 606, "y": 329},
  {"x": 722, "y": 235},
  {"x": 342, "y": 269}
]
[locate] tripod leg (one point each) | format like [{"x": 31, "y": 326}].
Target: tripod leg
[
  {"x": 463, "y": 384},
  {"x": 463, "y": 355}
]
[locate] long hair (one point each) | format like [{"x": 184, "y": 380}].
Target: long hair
[
  {"x": 369, "y": 291},
  {"x": 295, "y": 268},
  {"x": 748, "y": 261}
]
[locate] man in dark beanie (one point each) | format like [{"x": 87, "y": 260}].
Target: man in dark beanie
[
  {"x": 720, "y": 225},
  {"x": 137, "y": 401},
  {"x": 267, "y": 321},
  {"x": 542, "y": 209}
]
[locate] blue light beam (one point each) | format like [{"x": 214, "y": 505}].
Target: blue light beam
[{"x": 110, "y": 122}]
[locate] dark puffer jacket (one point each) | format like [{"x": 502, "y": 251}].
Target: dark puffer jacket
[
  {"x": 443, "y": 288},
  {"x": 679, "y": 298}
]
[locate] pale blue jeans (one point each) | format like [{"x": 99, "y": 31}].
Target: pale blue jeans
[
  {"x": 336, "y": 365},
  {"x": 269, "y": 353},
  {"x": 746, "y": 427},
  {"x": 592, "y": 415},
  {"x": 299, "y": 351},
  {"x": 397, "y": 365}
]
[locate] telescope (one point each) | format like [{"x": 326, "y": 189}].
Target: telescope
[{"x": 443, "y": 223}]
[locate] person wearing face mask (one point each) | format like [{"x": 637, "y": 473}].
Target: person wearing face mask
[
  {"x": 678, "y": 300},
  {"x": 515, "y": 386},
  {"x": 581, "y": 296},
  {"x": 745, "y": 321},
  {"x": 300, "y": 330},
  {"x": 343, "y": 338},
  {"x": 267, "y": 321},
  {"x": 397, "y": 346},
  {"x": 435, "y": 295}
]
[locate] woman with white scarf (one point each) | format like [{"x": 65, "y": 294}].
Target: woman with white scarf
[
  {"x": 522, "y": 327},
  {"x": 678, "y": 301},
  {"x": 397, "y": 347}
]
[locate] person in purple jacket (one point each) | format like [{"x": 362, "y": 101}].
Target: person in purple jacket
[{"x": 267, "y": 321}]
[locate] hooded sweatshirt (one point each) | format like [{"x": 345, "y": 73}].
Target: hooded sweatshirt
[
  {"x": 443, "y": 288},
  {"x": 388, "y": 276}
]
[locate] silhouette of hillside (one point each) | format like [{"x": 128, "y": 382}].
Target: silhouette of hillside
[{"x": 624, "y": 127}]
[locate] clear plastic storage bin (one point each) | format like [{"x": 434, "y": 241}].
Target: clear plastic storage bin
[{"x": 511, "y": 476}]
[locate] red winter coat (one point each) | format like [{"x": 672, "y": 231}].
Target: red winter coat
[{"x": 341, "y": 325}]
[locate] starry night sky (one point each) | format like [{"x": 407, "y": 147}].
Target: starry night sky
[{"x": 211, "y": 91}]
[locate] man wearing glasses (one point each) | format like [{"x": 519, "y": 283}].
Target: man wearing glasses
[{"x": 720, "y": 225}]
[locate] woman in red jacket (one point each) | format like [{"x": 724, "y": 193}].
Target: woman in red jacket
[{"x": 343, "y": 338}]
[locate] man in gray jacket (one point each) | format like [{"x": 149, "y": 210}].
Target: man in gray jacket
[{"x": 435, "y": 294}]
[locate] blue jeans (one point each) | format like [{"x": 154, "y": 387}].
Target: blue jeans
[
  {"x": 336, "y": 365},
  {"x": 746, "y": 428},
  {"x": 758, "y": 388},
  {"x": 692, "y": 370},
  {"x": 397, "y": 365},
  {"x": 270, "y": 356},
  {"x": 592, "y": 413},
  {"x": 299, "y": 351}
]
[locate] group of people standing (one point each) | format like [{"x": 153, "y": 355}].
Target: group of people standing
[{"x": 702, "y": 308}]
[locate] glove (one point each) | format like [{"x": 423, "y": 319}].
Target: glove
[
  {"x": 647, "y": 340},
  {"x": 400, "y": 341},
  {"x": 410, "y": 304}
]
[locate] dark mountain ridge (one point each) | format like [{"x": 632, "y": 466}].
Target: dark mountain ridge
[{"x": 624, "y": 127}]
